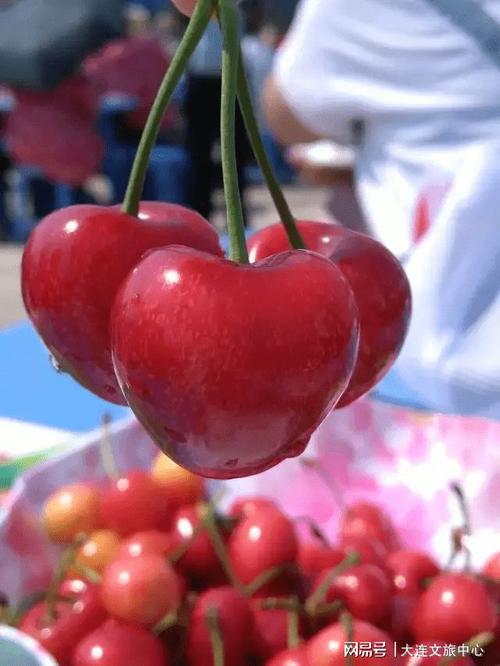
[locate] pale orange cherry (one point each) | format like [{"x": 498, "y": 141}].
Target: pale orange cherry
[{"x": 71, "y": 510}]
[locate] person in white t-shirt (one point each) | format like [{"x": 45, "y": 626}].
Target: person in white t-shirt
[{"x": 427, "y": 98}]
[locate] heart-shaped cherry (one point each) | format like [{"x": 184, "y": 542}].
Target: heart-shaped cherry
[
  {"x": 379, "y": 284},
  {"x": 231, "y": 367},
  {"x": 115, "y": 643},
  {"x": 75, "y": 618},
  {"x": 74, "y": 262},
  {"x": 454, "y": 608}
]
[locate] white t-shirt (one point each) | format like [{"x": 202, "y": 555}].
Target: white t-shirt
[
  {"x": 429, "y": 99},
  {"x": 423, "y": 89}
]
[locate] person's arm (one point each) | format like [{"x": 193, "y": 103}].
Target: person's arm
[{"x": 280, "y": 118}]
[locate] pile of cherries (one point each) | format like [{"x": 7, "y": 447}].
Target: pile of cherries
[{"x": 161, "y": 577}]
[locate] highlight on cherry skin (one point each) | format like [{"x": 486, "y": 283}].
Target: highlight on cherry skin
[
  {"x": 73, "y": 264},
  {"x": 251, "y": 361},
  {"x": 378, "y": 281}
]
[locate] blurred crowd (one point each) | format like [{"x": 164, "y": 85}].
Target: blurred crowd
[{"x": 75, "y": 142}]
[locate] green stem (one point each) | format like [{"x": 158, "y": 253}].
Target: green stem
[
  {"x": 267, "y": 577},
  {"x": 319, "y": 595},
  {"x": 212, "y": 620},
  {"x": 292, "y": 628},
  {"x": 230, "y": 58},
  {"x": 348, "y": 626},
  {"x": 197, "y": 26},
  {"x": 246, "y": 106},
  {"x": 210, "y": 523},
  {"x": 67, "y": 560}
]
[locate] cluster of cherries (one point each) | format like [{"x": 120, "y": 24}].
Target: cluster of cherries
[
  {"x": 162, "y": 578},
  {"x": 230, "y": 367}
]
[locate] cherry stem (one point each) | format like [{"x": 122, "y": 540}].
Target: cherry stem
[
  {"x": 216, "y": 639},
  {"x": 166, "y": 622},
  {"x": 252, "y": 127},
  {"x": 266, "y": 577},
  {"x": 91, "y": 575},
  {"x": 67, "y": 559},
  {"x": 464, "y": 530},
  {"x": 348, "y": 626},
  {"x": 197, "y": 25},
  {"x": 314, "y": 528},
  {"x": 319, "y": 594},
  {"x": 326, "y": 478},
  {"x": 108, "y": 459},
  {"x": 280, "y": 603},
  {"x": 481, "y": 640},
  {"x": 230, "y": 58},
  {"x": 292, "y": 626},
  {"x": 210, "y": 523}
]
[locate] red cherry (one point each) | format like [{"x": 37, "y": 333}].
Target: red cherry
[
  {"x": 235, "y": 624},
  {"x": 73, "y": 619},
  {"x": 116, "y": 644},
  {"x": 379, "y": 284},
  {"x": 365, "y": 590},
  {"x": 409, "y": 569},
  {"x": 315, "y": 556},
  {"x": 270, "y": 635},
  {"x": 287, "y": 325},
  {"x": 425, "y": 655},
  {"x": 454, "y": 608},
  {"x": 132, "y": 504},
  {"x": 370, "y": 551},
  {"x": 261, "y": 541},
  {"x": 327, "y": 647},
  {"x": 245, "y": 506},
  {"x": 74, "y": 262},
  {"x": 150, "y": 542},
  {"x": 199, "y": 562},
  {"x": 492, "y": 567},
  {"x": 293, "y": 657},
  {"x": 363, "y": 519},
  {"x": 140, "y": 589}
]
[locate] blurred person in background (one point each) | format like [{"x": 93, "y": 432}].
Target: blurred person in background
[{"x": 420, "y": 88}]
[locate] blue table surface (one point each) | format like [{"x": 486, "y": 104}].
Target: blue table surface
[{"x": 31, "y": 390}]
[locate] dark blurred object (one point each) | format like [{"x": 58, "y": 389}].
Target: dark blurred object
[
  {"x": 42, "y": 42},
  {"x": 55, "y": 131},
  {"x": 132, "y": 67}
]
